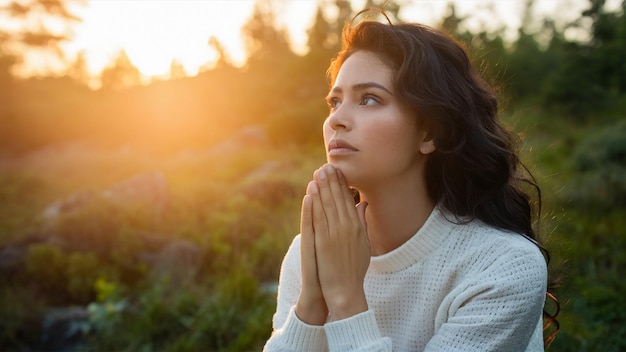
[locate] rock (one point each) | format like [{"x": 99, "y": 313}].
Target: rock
[
  {"x": 11, "y": 260},
  {"x": 263, "y": 172},
  {"x": 179, "y": 260},
  {"x": 271, "y": 193},
  {"x": 64, "y": 328},
  {"x": 68, "y": 204},
  {"x": 148, "y": 191},
  {"x": 144, "y": 188},
  {"x": 248, "y": 137}
]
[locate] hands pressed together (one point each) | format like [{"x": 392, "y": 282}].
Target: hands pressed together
[{"x": 335, "y": 250}]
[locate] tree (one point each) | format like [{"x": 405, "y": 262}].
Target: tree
[
  {"x": 391, "y": 7},
  {"x": 344, "y": 15},
  {"x": 177, "y": 70},
  {"x": 592, "y": 77},
  {"x": 320, "y": 33},
  {"x": 451, "y": 23},
  {"x": 223, "y": 60},
  {"x": 34, "y": 25},
  {"x": 78, "y": 69},
  {"x": 609, "y": 36},
  {"x": 264, "y": 40},
  {"x": 121, "y": 74}
]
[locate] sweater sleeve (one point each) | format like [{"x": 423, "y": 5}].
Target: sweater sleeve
[
  {"x": 357, "y": 333},
  {"x": 290, "y": 333},
  {"x": 498, "y": 310}
]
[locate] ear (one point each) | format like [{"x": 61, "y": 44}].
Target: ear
[{"x": 427, "y": 145}]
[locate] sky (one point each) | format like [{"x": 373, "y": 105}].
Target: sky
[{"x": 155, "y": 32}]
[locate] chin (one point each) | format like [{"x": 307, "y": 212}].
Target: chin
[{"x": 351, "y": 173}]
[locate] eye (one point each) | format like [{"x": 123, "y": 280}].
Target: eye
[
  {"x": 333, "y": 103},
  {"x": 369, "y": 99}
]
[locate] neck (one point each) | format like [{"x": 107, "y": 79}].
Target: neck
[{"x": 394, "y": 214}]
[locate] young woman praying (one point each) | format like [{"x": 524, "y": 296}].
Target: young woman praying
[{"x": 440, "y": 252}]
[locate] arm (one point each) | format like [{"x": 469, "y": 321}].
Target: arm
[
  {"x": 357, "y": 333},
  {"x": 499, "y": 310},
  {"x": 289, "y": 332},
  {"x": 334, "y": 256},
  {"x": 342, "y": 253},
  {"x": 342, "y": 248}
]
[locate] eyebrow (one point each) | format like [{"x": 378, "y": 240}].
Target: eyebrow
[{"x": 365, "y": 85}]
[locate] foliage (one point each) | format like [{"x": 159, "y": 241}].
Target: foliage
[
  {"x": 264, "y": 41},
  {"x": 20, "y": 194},
  {"x": 92, "y": 255},
  {"x": 122, "y": 73},
  {"x": 580, "y": 173},
  {"x": 183, "y": 320},
  {"x": 590, "y": 75},
  {"x": 20, "y": 310},
  {"x": 600, "y": 165},
  {"x": 30, "y": 26}
]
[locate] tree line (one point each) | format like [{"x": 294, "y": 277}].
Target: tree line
[{"x": 277, "y": 89}]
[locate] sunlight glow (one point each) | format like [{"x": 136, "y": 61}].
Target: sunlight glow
[{"x": 155, "y": 32}]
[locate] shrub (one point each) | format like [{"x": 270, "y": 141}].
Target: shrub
[
  {"x": 599, "y": 183},
  {"x": 46, "y": 266},
  {"x": 83, "y": 269},
  {"x": 234, "y": 316}
]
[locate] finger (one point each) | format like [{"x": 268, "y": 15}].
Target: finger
[
  {"x": 361, "y": 213},
  {"x": 307, "y": 244},
  {"x": 319, "y": 220},
  {"x": 329, "y": 208},
  {"x": 311, "y": 290},
  {"x": 306, "y": 220},
  {"x": 338, "y": 193},
  {"x": 307, "y": 236},
  {"x": 348, "y": 197}
]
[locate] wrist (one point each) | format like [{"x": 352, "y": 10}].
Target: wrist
[
  {"x": 343, "y": 307},
  {"x": 311, "y": 311}
]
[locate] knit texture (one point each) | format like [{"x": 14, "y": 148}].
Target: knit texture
[{"x": 451, "y": 287}]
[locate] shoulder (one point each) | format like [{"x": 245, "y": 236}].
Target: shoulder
[
  {"x": 490, "y": 249},
  {"x": 489, "y": 264},
  {"x": 482, "y": 236},
  {"x": 474, "y": 235},
  {"x": 503, "y": 241}
]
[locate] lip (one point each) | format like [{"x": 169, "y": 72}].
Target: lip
[{"x": 338, "y": 147}]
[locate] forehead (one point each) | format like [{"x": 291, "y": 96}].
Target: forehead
[{"x": 363, "y": 66}]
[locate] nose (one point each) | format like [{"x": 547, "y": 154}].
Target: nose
[{"x": 340, "y": 118}]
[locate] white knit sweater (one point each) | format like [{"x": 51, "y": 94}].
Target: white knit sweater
[{"x": 451, "y": 287}]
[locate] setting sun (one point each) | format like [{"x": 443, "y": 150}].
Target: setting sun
[{"x": 153, "y": 33}]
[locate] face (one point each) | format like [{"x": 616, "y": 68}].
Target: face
[{"x": 370, "y": 134}]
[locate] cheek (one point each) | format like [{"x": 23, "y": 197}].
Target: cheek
[
  {"x": 397, "y": 143},
  {"x": 326, "y": 131}
]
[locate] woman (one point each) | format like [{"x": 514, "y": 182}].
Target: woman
[{"x": 440, "y": 253}]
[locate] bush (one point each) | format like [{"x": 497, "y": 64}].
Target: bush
[
  {"x": 234, "y": 316},
  {"x": 593, "y": 244},
  {"x": 83, "y": 269},
  {"x": 20, "y": 311},
  {"x": 46, "y": 266},
  {"x": 599, "y": 184}
]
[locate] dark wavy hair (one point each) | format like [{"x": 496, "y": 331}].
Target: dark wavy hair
[{"x": 475, "y": 171}]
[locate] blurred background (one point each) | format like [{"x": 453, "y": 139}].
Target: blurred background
[{"x": 153, "y": 156}]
